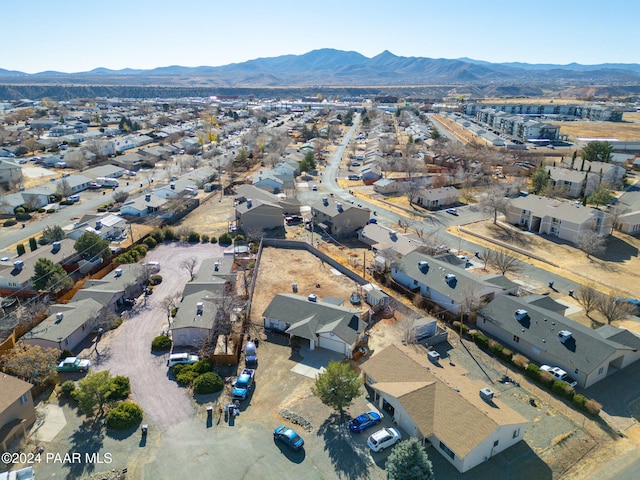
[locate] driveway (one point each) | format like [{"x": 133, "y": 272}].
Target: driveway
[{"x": 127, "y": 350}]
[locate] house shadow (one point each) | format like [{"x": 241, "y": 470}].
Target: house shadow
[{"x": 346, "y": 463}]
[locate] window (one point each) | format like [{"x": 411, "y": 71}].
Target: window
[
  {"x": 516, "y": 338},
  {"x": 495, "y": 444},
  {"x": 23, "y": 399},
  {"x": 447, "y": 450},
  {"x": 575, "y": 371},
  {"x": 516, "y": 433},
  {"x": 415, "y": 282},
  {"x": 600, "y": 370}
]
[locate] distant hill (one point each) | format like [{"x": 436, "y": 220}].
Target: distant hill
[{"x": 333, "y": 68}]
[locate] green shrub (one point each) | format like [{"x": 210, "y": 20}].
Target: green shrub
[
  {"x": 65, "y": 353},
  {"x": 533, "y": 371},
  {"x": 155, "y": 279},
  {"x": 67, "y": 202},
  {"x": 193, "y": 237},
  {"x": 150, "y": 242},
  {"x": 9, "y": 223},
  {"x": 204, "y": 238},
  {"x": 579, "y": 401},
  {"x": 214, "y": 240},
  {"x": 480, "y": 340},
  {"x": 169, "y": 234},
  {"x": 157, "y": 235},
  {"x": 20, "y": 249},
  {"x": 209, "y": 382},
  {"x": 592, "y": 407},
  {"x": 560, "y": 388},
  {"x": 546, "y": 379},
  {"x": 186, "y": 377},
  {"x": 160, "y": 343},
  {"x": 51, "y": 210},
  {"x": 456, "y": 327},
  {"x": 33, "y": 245},
  {"x": 181, "y": 367},
  {"x": 174, "y": 310},
  {"x": 67, "y": 388},
  {"x": 41, "y": 210},
  {"x": 115, "y": 323},
  {"x": 238, "y": 239},
  {"x": 225, "y": 239},
  {"x": 202, "y": 366},
  {"x": 141, "y": 249},
  {"x": 102, "y": 209},
  {"x": 120, "y": 388},
  {"x": 124, "y": 416}
]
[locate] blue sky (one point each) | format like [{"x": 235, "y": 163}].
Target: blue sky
[{"x": 79, "y": 35}]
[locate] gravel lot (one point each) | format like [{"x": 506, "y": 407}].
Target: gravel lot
[{"x": 127, "y": 350}]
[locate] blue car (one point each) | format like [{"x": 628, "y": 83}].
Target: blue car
[
  {"x": 364, "y": 421},
  {"x": 289, "y": 437}
]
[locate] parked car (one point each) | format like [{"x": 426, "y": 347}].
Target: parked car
[
  {"x": 314, "y": 188},
  {"x": 364, "y": 421},
  {"x": 383, "y": 438},
  {"x": 73, "y": 364},
  {"x": 250, "y": 354},
  {"x": 289, "y": 437},
  {"x": 181, "y": 358},
  {"x": 559, "y": 374},
  {"x": 452, "y": 211}
]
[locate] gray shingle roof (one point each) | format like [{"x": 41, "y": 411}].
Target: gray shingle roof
[
  {"x": 309, "y": 318},
  {"x": 74, "y": 315}
]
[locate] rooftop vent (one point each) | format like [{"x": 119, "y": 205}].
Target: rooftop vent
[
  {"x": 117, "y": 272},
  {"x": 59, "y": 316},
  {"x": 312, "y": 297},
  {"x": 199, "y": 308},
  {"x": 564, "y": 335},
  {"x": 216, "y": 266},
  {"x": 422, "y": 265}
]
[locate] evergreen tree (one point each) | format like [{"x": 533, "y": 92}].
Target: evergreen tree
[{"x": 409, "y": 461}]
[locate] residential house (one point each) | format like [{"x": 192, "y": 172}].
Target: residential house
[
  {"x": 183, "y": 187},
  {"x": 10, "y": 172},
  {"x": 110, "y": 291},
  {"x": 339, "y": 219},
  {"x": 195, "y": 319},
  {"x": 244, "y": 192},
  {"x": 380, "y": 238},
  {"x": 10, "y": 202},
  {"x": 155, "y": 154},
  {"x": 37, "y": 197},
  {"x": 107, "y": 171},
  {"x": 107, "y": 226},
  {"x": 142, "y": 206},
  {"x": 131, "y": 161},
  {"x": 460, "y": 425},
  {"x": 435, "y": 198},
  {"x": 371, "y": 174},
  {"x": 547, "y": 337},
  {"x": 17, "y": 411},
  {"x": 76, "y": 183},
  {"x": 268, "y": 181},
  {"x": 629, "y": 223},
  {"x": 448, "y": 285},
  {"x": 17, "y": 274},
  {"x": 215, "y": 275},
  {"x": 556, "y": 217},
  {"x": 607, "y": 172},
  {"x": 322, "y": 324},
  {"x": 258, "y": 215},
  {"x": 67, "y": 325}
]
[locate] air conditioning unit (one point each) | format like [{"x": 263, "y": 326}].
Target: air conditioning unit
[
  {"x": 249, "y": 203},
  {"x": 564, "y": 335},
  {"x": 486, "y": 394},
  {"x": 18, "y": 264},
  {"x": 520, "y": 313},
  {"x": 117, "y": 272},
  {"x": 422, "y": 265},
  {"x": 449, "y": 277},
  {"x": 59, "y": 316}
]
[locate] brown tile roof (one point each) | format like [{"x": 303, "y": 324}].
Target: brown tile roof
[
  {"x": 11, "y": 389},
  {"x": 457, "y": 417}
]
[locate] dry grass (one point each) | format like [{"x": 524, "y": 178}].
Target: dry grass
[{"x": 627, "y": 130}]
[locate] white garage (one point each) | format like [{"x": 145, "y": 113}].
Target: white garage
[{"x": 332, "y": 342}]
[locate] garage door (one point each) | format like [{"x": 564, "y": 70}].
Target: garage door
[{"x": 331, "y": 344}]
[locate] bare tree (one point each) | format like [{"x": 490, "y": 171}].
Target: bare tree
[
  {"x": 587, "y": 296},
  {"x": 614, "y": 308},
  {"x": 504, "y": 262},
  {"x": 591, "y": 242},
  {"x": 408, "y": 326},
  {"x": 64, "y": 188},
  {"x": 119, "y": 196},
  {"x": 405, "y": 224},
  {"x": 189, "y": 264},
  {"x": 494, "y": 202},
  {"x": 168, "y": 304}
]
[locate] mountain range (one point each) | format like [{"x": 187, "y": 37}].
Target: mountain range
[{"x": 330, "y": 67}]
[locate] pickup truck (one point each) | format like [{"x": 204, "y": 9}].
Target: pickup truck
[{"x": 243, "y": 384}]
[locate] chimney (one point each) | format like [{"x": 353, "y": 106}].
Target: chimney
[
  {"x": 249, "y": 203},
  {"x": 55, "y": 247},
  {"x": 216, "y": 266},
  {"x": 339, "y": 207},
  {"x": 59, "y": 316},
  {"x": 147, "y": 197},
  {"x": 18, "y": 264},
  {"x": 173, "y": 186},
  {"x": 199, "y": 308},
  {"x": 325, "y": 201},
  {"x": 117, "y": 272},
  {"x": 98, "y": 224}
]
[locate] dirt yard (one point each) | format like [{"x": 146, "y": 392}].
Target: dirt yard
[
  {"x": 627, "y": 130},
  {"x": 279, "y": 268}
]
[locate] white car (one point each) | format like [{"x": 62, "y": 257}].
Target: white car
[
  {"x": 383, "y": 438},
  {"x": 181, "y": 358},
  {"x": 559, "y": 374}
]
